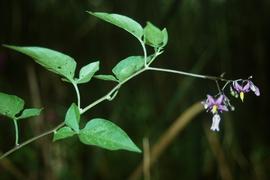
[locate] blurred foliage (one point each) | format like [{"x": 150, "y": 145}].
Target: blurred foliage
[{"x": 209, "y": 37}]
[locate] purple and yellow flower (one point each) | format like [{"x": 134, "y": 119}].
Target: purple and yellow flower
[
  {"x": 215, "y": 106},
  {"x": 246, "y": 86}
]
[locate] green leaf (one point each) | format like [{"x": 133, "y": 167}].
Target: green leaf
[
  {"x": 128, "y": 66},
  {"x": 29, "y": 113},
  {"x": 154, "y": 37},
  {"x": 106, "y": 77},
  {"x": 107, "y": 135},
  {"x": 87, "y": 72},
  {"x": 63, "y": 133},
  {"x": 121, "y": 21},
  {"x": 10, "y": 105},
  {"x": 53, "y": 61},
  {"x": 165, "y": 37},
  {"x": 72, "y": 118}
]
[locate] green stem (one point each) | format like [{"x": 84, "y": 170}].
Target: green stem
[
  {"x": 16, "y": 132},
  {"x": 144, "y": 52},
  {"x": 78, "y": 94},
  {"x": 108, "y": 95},
  {"x": 157, "y": 53},
  {"x": 214, "y": 78},
  {"x": 31, "y": 140}
]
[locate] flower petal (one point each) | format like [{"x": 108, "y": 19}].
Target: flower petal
[
  {"x": 220, "y": 99},
  {"x": 210, "y": 100},
  {"x": 222, "y": 108},
  {"x": 254, "y": 88},
  {"x": 237, "y": 87},
  {"x": 246, "y": 88}
]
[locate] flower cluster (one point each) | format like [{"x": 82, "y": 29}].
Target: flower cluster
[{"x": 222, "y": 103}]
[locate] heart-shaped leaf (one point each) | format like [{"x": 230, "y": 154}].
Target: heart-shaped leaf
[
  {"x": 53, "y": 61},
  {"x": 107, "y": 135},
  {"x": 121, "y": 21},
  {"x": 10, "y": 105}
]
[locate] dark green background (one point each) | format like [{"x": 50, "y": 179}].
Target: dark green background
[{"x": 208, "y": 37}]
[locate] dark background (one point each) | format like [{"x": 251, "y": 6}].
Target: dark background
[{"x": 207, "y": 37}]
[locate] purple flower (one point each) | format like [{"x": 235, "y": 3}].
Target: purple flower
[
  {"x": 215, "y": 105},
  {"x": 246, "y": 86}
]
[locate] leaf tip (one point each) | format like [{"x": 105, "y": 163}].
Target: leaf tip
[{"x": 137, "y": 150}]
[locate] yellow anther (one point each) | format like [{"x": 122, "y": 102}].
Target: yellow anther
[
  {"x": 214, "y": 109},
  {"x": 242, "y": 95}
]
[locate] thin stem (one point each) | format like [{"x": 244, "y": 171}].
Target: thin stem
[
  {"x": 144, "y": 53},
  {"x": 31, "y": 140},
  {"x": 108, "y": 95},
  {"x": 228, "y": 82},
  {"x": 78, "y": 94},
  {"x": 157, "y": 53},
  {"x": 188, "y": 74},
  {"x": 219, "y": 90},
  {"x": 16, "y": 132}
]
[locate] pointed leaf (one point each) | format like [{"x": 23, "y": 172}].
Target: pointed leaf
[
  {"x": 121, "y": 21},
  {"x": 10, "y": 105},
  {"x": 153, "y": 36},
  {"x": 30, "y": 113},
  {"x": 63, "y": 133},
  {"x": 106, "y": 77},
  {"x": 128, "y": 66},
  {"x": 54, "y": 61},
  {"x": 72, "y": 118},
  {"x": 87, "y": 72},
  {"x": 165, "y": 37},
  {"x": 105, "y": 134}
]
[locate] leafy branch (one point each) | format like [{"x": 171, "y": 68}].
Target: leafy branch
[{"x": 97, "y": 131}]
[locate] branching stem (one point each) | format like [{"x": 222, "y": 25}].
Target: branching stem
[
  {"x": 111, "y": 95},
  {"x": 31, "y": 140}
]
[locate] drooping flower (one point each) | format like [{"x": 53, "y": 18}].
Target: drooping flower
[
  {"x": 216, "y": 106},
  {"x": 246, "y": 86}
]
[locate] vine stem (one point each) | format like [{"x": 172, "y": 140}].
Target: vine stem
[
  {"x": 108, "y": 96},
  {"x": 78, "y": 94},
  {"x": 31, "y": 140},
  {"x": 16, "y": 132},
  {"x": 144, "y": 53},
  {"x": 214, "y": 78}
]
